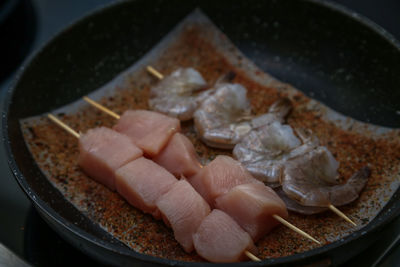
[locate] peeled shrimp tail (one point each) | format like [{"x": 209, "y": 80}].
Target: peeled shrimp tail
[
  {"x": 281, "y": 108},
  {"x": 323, "y": 195},
  {"x": 348, "y": 192},
  {"x": 292, "y": 205}
]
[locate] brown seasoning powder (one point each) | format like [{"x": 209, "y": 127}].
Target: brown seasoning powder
[{"x": 56, "y": 153}]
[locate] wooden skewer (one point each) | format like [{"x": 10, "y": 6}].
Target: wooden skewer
[
  {"x": 155, "y": 72},
  {"x": 101, "y": 107},
  {"x": 277, "y": 217},
  {"x": 252, "y": 256},
  {"x": 341, "y": 214},
  {"x": 75, "y": 134},
  {"x": 63, "y": 125},
  {"x": 150, "y": 69},
  {"x": 294, "y": 228}
]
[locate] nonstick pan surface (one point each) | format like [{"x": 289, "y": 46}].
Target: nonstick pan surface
[{"x": 328, "y": 52}]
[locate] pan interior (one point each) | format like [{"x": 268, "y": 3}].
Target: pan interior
[{"x": 330, "y": 56}]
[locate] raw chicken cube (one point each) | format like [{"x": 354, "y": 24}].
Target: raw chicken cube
[
  {"x": 103, "y": 151},
  {"x": 183, "y": 209},
  {"x": 220, "y": 239},
  {"x": 149, "y": 130},
  {"x": 179, "y": 157},
  {"x": 141, "y": 182},
  {"x": 252, "y": 206},
  {"x": 219, "y": 177}
]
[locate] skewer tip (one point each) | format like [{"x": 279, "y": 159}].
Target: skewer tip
[
  {"x": 294, "y": 228},
  {"x": 252, "y": 256},
  {"x": 341, "y": 214},
  {"x": 101, "y": 107},
  {"x": 63, "y": 125},
  {"x": 155, "y": 72}
]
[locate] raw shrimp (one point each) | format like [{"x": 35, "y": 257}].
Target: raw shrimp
[
  {"x": 265, "y": 150},
  {"x": 224, "y": 118},
  {"x": 307, "y": 171},
  {"x": 311, "y": 179},
  {"x": 179, "y": 94}
]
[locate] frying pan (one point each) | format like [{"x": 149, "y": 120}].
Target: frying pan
[{"x": 330, "y": 53}]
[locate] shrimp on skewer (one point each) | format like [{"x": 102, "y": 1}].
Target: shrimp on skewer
[
  {"x": 307, "y": 171},
  {"x": 179, "y": 94},
  {"x": 224, "y": 118},
  {"x": 311, "y": 180},
  {"x": 265, "y": 150}
]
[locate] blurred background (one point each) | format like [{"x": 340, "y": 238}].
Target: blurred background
[{"x": 25, "y": 25}]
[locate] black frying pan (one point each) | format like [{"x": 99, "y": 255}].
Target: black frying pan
[{"x": 330, "y": 53}]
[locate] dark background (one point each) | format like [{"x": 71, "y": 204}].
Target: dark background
[{"x": 21, "y": 230}]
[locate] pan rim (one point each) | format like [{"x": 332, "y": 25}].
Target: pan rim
[{"x": 374, "y": 225}]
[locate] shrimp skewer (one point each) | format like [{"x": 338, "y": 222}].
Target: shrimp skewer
[
  {"x": 306, "y": 170},
  {"x": 224, "y": 118},
  {"x": 311, "y": 180}
]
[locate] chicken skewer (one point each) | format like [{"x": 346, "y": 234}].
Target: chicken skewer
[
  {"x": 277, "y": 217},
  {"x": 274, "y": 170},
  {"x": 78, "y": 136}
]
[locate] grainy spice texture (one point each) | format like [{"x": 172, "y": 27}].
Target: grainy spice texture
[{"x": 198, "y": 43}]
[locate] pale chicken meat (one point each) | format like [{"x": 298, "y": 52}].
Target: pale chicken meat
[
  {"x": 311, "y": 179},
  {"x": 103, "y": 151},
  {"x": 219, "y": 177},
  {"x": 183, "y": 209},
  {"x": 179, "y": 94},
  {"x": 149, "y": 130},
  {"x": 224, "y": 118},
  {"x": 141, "y": 182},
  {"x": 220, "y": 239},
  {"x": 265, "y": 150},
  {"x": 252, "y": 207},
  {"x": 179, "y": 157}
]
